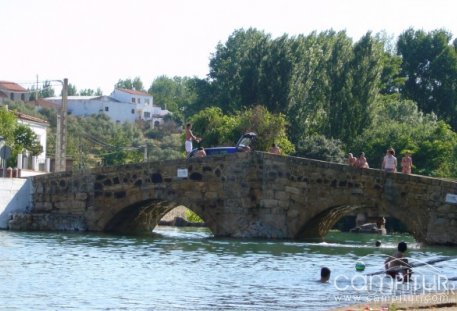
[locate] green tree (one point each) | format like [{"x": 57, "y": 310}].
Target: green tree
[
  {"x": 135, "y": 84},
  {"x": 235, "y": 69},
  {"x": 72, "y": 90},
  {"x": 430, "y": 65},
  {"x": 47, "y": 90},
  {"x": 401, "y": 125},
  {"x": 225, "y": 130},
  {"x": 271, "y": 128},
  {"x": 321, "y": 148},
  {"x": 86, "y": 92},
  {"x": 8, "y": 123},
  {"x": 275, "y": 75},
  {"x": 90, "y": 92},
  {"x": 18, "y": 137},
  {"x": 174, "y": 94},
  {"x": 366, "y": 71},
  {"x": 26, "y": 139}
]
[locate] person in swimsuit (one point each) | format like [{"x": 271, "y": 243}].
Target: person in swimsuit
[
  {"x": 352, "y": 160},
  {"x": 189, "y": 138},
  {"x": 397, "y": 265},
  {"x": 362, "y": 161},
  {"x": 406, "y": 163},
  {"x": 275, "y": 149}
]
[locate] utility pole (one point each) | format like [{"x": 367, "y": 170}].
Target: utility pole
[
  {"x": 36, "y": 90},
  {"x": 61, "y": 133}
]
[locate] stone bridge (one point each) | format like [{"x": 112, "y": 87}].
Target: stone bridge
[{"x": 244, "y": 195}]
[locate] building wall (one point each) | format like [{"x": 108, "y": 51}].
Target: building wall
[
  {"x": 15, "y": 96},
  {"x": 41, "y": 131},
  {"x": 118, "y": 106},
  {"x": 125, "y": 97}
]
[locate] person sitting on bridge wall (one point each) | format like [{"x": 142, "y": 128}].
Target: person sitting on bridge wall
[
  {"x": 352, "y": 161},
  {"x": 200, "y": 152},
  {"x": 275, "y": 149},
  {"x": 362, "y": 161}
]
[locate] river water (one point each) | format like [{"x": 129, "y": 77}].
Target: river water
[{"x": 188, "y": 269}]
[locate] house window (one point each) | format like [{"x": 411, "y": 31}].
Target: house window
[
  {"x": 146, "y": 101},
  {"x": 23, "y": 97},
  {"x": 139, "y": 100},
  {"x": 133, "y": 99},
  {"x": 133, "y": 111},
  {"x": 12, "y": 96},
  {"x": 147, "y": 115},
  {"x": 106, "y": 108}
]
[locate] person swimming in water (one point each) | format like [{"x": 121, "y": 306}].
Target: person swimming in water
[{"x": 397, "y": 265}]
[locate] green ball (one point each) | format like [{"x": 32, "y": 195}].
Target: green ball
[{"x": 359, "y": 266}]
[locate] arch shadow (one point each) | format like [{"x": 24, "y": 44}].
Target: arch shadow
[
  {"x": 142, "y": 217},
  {"x": 319, "y": 226}
]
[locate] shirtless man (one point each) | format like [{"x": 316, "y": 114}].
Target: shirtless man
[
  {"x": 397, "y": 264},
  {"x": 352, "y": 160},
  {"x": 189, "y": 137},
  {"x": 362, "y": 161}
]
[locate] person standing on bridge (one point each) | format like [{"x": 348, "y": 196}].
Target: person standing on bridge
[
  {"x": 406, "y": 163},
  {"x": 189, "y": 137},
  {"x": 389, "y": 164}
]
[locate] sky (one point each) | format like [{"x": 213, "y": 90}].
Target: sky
[{"x": 94, "y": 43}]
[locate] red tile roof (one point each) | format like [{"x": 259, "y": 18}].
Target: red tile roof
[
  {"x": 43, "y": 103},
  {"x": 11, "y": 86},
  {"x": 27, "y": 117},
  {"x": 134, "y": 92}
]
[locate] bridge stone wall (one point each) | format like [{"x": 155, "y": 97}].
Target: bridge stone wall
[{"x": 244, "y": 195}]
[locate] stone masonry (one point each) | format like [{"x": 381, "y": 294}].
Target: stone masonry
[{"x": 244, "y": 195}]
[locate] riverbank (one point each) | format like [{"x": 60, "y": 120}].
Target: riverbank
[
  {"x": 177, "y": 217},
  {"x": 445, "y": 301}
]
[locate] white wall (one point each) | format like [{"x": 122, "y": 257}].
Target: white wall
[
  {"x": 41, "y": 131},
  {"x": 15, "y": 197},
  {"x": 121, "y": 112},
  {"x": 118, "y": 106},
  {"x": 127, "y": 98}
]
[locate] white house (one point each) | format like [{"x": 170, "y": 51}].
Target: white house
[
  {"x": 39, "y": 127},
  {"x": 121, "y": 106},
  {"x": 13, "y": 91}
]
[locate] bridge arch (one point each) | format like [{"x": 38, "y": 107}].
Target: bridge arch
[{"x": 322, "y": 223}]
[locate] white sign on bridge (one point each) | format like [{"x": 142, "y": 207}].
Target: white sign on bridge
[
  {"x": 451, "y": 198},
  {"x": 182, "y": 173}
]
